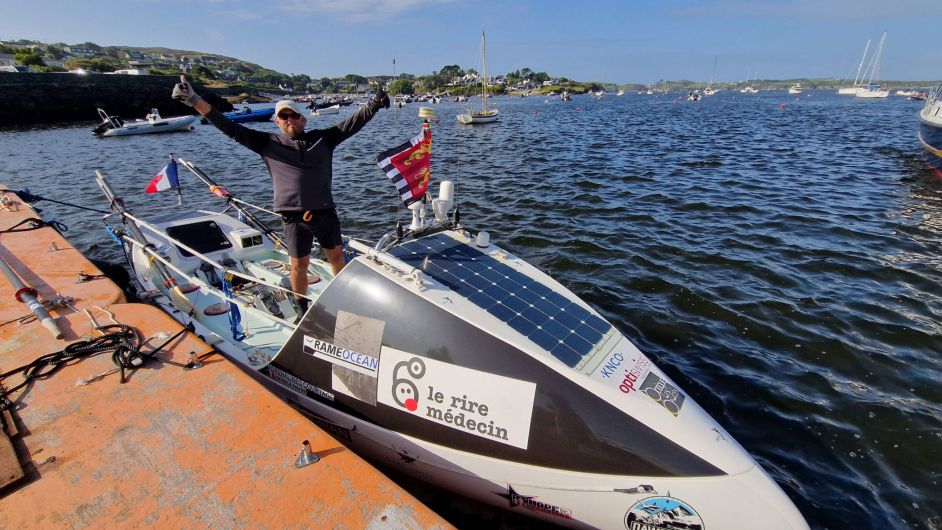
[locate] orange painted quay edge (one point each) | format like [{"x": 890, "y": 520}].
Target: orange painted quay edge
[{"x": 170, "y": 447}]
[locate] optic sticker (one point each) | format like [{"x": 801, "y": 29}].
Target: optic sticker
[
  {"x": 659, "y": 513},
  {"x": 531, "y": 503},
  {"x": 623, "y": 371},
  {"x": 359, "y": 362},
  {"x": 486, "y": 405},
  {"x": 663, "y": 392}
]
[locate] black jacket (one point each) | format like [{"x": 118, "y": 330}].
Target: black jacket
[{"x": 301, "y": 168}]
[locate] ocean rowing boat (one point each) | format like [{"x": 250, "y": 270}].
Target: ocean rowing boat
[{"x": 445, "y": 355}]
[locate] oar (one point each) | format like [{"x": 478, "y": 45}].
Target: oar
[
  {"x": 27, "y": 295},
  {"x": 179, "y": 299}
]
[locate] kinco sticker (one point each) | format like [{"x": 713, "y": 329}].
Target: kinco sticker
[
  {"x": 658, "y": 513},
  {"x": 486, "y": 405},
  {"x": 623, "y": 372},
  {"x": 663, "y": 392}
]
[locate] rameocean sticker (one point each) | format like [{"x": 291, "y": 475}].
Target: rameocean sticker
[
  {"x": 659, "y": 513},
  {"x": 663, "y": 392},
  {"x": 360, "y": 362},
  {"x": 490, "y": 406}
]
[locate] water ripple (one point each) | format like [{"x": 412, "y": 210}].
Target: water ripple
[{"x": 777, "y": 256}]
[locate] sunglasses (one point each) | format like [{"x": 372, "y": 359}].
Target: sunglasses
[{"x": 289, "y": 116}]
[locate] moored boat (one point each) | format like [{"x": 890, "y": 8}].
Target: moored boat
[
  {"x": 930, "y": 129},
  {"x": 248, "y": 115},
  {"x": 438, "y": 350},
  {"x": 152, "y": 123},
  {"x": 323, "y": 111},
  {"x": 873, "y": 90},
  {"x": 795, "y": 89},
  {"x": 484, "y": 114}
]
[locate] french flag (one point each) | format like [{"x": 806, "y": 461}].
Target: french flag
[{"x": 165, "y": 180}]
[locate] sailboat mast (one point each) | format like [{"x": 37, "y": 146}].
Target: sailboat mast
[
  {"x": 862, "y": 59},
  {"x": 484, "y": 68},
  {"x": 876, "y": 61}
]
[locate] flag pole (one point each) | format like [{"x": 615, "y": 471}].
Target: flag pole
[{"x": 173, "y": 160}]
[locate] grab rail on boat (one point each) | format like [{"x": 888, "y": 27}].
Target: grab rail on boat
[{"x": 387, "y": 259}]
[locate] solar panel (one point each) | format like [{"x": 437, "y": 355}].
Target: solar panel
[{"x": 547, "y": 318}]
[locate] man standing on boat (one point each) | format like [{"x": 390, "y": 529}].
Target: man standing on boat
[{"x": 300, "y": 164}]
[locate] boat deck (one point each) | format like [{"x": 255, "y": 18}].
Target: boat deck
[{"x": 204, "y": 447}]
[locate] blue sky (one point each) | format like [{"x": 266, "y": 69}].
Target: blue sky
[{"x": 615, "y": 41}]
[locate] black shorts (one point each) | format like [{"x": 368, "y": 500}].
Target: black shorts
[{"x": 300, "y": 234}]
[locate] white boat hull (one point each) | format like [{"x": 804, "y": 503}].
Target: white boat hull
[
  {"x": 179, "y": 123},
  {"x": 849, "y": 91},
  {"x": 478, "y": 117},
  {"x": 334, "y": 109},
  {"x": 872, "y": 94}
]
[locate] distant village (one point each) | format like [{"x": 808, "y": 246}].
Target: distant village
[{"x": 31, "y": 56}]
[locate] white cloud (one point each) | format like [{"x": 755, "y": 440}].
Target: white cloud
[{"x": 215, "y": 34}]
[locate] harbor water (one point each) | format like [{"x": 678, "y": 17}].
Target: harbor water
[{"x": 778, "y": 256}]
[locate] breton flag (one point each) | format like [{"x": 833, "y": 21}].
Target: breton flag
[
  {"x": 166, "y": 179},
  {"x": 408, "y": 166}
]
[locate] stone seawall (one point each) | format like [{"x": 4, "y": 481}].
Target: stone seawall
[{"x": 33, "y": 98}]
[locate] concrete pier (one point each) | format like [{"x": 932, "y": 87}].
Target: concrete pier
[{"x": 170, "y": 447}]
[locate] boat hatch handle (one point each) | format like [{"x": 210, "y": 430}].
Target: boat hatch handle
[
  {"x": 389, "y": 260},
  {"x": 306, "y": 456}
]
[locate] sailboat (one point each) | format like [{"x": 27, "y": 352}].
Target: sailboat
[
  {"x": 485, "y": 115},
  {"x": 873, "y": 90},
  {"x": 709, "y": 90},
  {"x": 850, "y": 91},
  {"x": 749, "y": 89}
]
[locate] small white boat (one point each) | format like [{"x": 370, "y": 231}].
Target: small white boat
[
  {"x": 485, "y": 115},
  {"x": 152, "y": 123},
  {"x": 852, "y": 90},
  {"x": 749, "y": 90},
  {"x": 795, "y": 89},
  {"x": 873, "y": 89},
  {"x": 480, "y": 116},
  {"x": 333, "y": 109},
  {"x": 620, "y": 93},
  {"x": 907, "y": 93}
]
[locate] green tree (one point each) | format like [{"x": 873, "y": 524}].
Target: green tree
[
  {"x": 203, "y": 72},
  {"x": 402, "y": 86},
  {"x": 28, "y": 57},
  {"x": 355, "y": 79},
  {"x": 55, "y": 52},
  {"x": 450, "y": 72},
  {"x": 94, "y": 64},
  {"x": 327, "y": 84}
]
